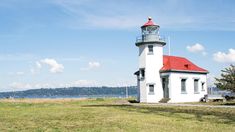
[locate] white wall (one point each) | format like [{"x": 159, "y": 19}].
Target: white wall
[
  {"x": 138, "y": 89},
  {"x": 175, "y": 87},
  {"x": 152, "y": 64},
  {"x": 142, "y": 64},
  {"x": 142, "y": 56}
]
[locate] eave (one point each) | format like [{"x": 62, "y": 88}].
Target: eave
[{"x": 183, "y": 71}]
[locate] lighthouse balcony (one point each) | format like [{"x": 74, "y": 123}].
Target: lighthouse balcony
[{"x": 150, "y": 38}]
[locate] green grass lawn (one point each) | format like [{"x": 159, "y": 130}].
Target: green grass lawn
[{"x": 110, "y": 115}]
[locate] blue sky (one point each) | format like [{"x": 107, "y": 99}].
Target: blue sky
[{"x": 62, "y": 43}]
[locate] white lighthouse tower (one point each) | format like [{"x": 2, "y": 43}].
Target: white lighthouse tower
[{"x": 150, "y": 62}]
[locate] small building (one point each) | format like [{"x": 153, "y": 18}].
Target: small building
[{"x": 163, "y": 78}]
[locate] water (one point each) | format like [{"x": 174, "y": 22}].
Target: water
[{"x": 80, "y": 96}]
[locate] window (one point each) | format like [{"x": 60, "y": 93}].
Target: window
[
  {"x": 196, "y": 85},
  {"x": 142, "y": 73},
  {"x": 150, "y": 47},
  {"x": 151, "y": 89},
  {"x": 203, "y": 86},
  {"x": 183, "y": 85}
]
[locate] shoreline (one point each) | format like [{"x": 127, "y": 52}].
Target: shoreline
[{"x": 42, "y": 100}]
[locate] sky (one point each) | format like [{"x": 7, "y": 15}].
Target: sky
[{"x": 64, "y": 43}]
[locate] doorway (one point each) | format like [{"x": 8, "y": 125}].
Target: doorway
[{"x": 165, "y": 82}]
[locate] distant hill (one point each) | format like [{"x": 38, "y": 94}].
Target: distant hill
[{"x": 72, "y": 92}]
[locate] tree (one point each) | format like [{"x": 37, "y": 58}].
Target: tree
[{"x": 227, "y": 79}]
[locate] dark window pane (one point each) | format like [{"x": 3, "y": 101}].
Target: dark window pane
[
  {"x": 151, "y": 88},
  {"x": 183, "y": 85},
  {"x": 203, "y": 87},
  {"x": 150, "y": 47},
  {"x": 195, "y": 85},
  {"x": 142, "y": 73}
]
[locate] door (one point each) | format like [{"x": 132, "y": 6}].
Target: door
[{"x": 165, "y": 87}]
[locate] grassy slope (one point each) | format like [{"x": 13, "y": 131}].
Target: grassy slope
[{"x": 110, "y": 115}]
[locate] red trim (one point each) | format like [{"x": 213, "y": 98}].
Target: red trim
[
  {"x": 171, "y": 63},
  {"x": 149, "y": 23}
]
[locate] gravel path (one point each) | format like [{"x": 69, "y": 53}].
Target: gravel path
[{"x": 194, "y": 105}]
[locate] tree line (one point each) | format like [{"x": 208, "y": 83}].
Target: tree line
[{"x": 72, "y": 92}]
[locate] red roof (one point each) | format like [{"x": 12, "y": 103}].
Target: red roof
[
  {"x": 149, "y": 23},
  {"x": 174, "y": 63}
]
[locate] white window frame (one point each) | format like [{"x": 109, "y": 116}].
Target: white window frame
[
  {"x": 185, "y": 85},
  {"x": 196, "y": 87}
]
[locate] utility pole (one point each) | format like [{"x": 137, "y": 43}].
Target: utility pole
[
  {"x": 126, "y": 91},
  {"x": 169, "y": 46}
]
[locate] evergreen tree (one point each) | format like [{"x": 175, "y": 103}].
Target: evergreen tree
[{"x": 227, "y": 79}]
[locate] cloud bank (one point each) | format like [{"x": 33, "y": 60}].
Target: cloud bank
[
  {"x": 225, "y": 57},
  {"x": 78, "y": 83},
  {"x": 17, "y": 85},
  {"x": 196, "y": 48}
]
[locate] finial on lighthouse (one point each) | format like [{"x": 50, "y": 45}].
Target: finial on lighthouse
[{"x": 149, "y": 22}]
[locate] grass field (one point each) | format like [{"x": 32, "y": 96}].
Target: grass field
[{"x": 109, "y": 115}]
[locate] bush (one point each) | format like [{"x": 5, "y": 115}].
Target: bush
[{"x": 99, "y": 99}]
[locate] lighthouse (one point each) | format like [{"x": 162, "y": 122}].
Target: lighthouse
[
  {"x": 164, "y": 78},
  {"x": 150, "y": 47}
]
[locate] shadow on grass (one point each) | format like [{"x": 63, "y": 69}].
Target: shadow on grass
[
  {"x": 190, "y": 113},
  {"x": 233, "y": 103},
  {"x": 133, "y": 101}
]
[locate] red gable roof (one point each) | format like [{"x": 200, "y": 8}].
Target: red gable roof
[
  {"x": 174, "y": 63},
  {"x": 149, "y": 23}
]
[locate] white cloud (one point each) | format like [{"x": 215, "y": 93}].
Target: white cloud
[
  {"x": 84, "y": 83},
  {"x": 17, "y": 85},
  {"x": 43, "y": 85},
  {"x": 225, "y": 57},
  {"x": 20, "y": 73},
  {"x": 77, "y": 83},
  {"x": 38, "y": 64},
  {"x": 92, "y": 65},
  {"x": 195, "y": 48},
  {"x": 55, "y": 67},
  {"x": 25, "y": 86}
]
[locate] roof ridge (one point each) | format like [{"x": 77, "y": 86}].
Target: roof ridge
[
  {"x": 179, "y": 63},
  {"x": 175, "y": 56}
]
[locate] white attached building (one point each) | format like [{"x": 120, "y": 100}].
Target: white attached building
[{"x": 166, "y": 78}]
